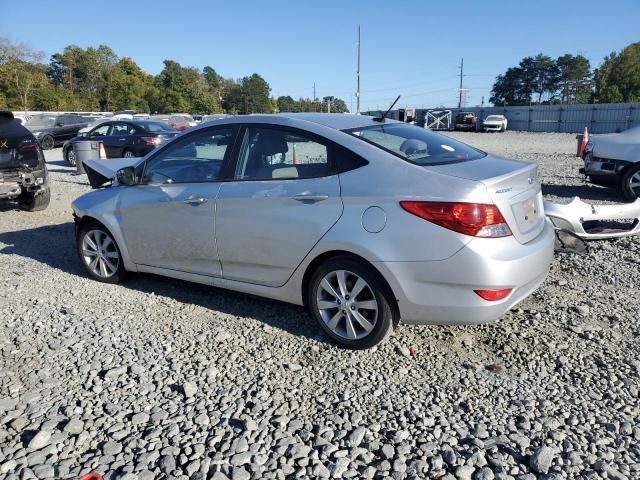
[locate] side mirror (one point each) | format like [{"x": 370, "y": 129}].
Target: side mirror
[
  {"x": 126, "y": 176},
  {"x": 59, "y": 124}
]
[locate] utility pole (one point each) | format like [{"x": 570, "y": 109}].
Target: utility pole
[
  {"x": 314, "y": 91},
  {"x": 482, "y": 104},
  {"x": 358, "y": 76},
  {"x": 461, "y": 75}
]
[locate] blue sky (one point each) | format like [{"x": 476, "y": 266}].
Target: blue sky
[{"x": 409, "y": 48}]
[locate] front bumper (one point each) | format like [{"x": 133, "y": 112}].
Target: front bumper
[
  {"x": 603, "y": 167},
  {"x": 492, "y": 128},
  {"x": 595, "y": 222},
  {"x": 442, "y": 292}
]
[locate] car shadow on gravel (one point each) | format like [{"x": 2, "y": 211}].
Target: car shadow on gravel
[
  {"x": 291, "y": 318},
  {"x": 585, "y": 192},
  {"x": 53, "y": 245}
]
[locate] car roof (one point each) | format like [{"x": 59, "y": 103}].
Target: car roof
[{"x": 339, "y": 121}]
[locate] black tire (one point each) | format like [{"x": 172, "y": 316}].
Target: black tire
[
  {"x": 70, "y": 156},
  {"x": 119, "y": 273},
  {"x": 627, "y": 191},
  {"x": 377, "y": 289},
  {"x": 33, "y": 203},
  {"x": 47, "y": 142}
]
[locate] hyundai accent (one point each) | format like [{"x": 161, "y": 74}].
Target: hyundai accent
[{"x": 366, "y": 221}]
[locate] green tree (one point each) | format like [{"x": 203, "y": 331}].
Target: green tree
[
  {"x": 574, "y": 79},
  {"x": 255, "y": 94},
  {"x": 287, "y": 104},
  {"x": 618, "y": 78}
]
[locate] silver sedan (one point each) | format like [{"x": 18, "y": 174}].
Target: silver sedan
[{"x": 366, "y": 221}]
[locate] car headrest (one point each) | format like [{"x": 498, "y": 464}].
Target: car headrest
[
  {"x": 270, "y": 143},
  {"x": 285, "y": 172},
  {"x": 412, "y": 146}
]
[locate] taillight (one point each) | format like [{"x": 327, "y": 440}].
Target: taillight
[
  {"x": 152, "y": 141},
  {"x": 494, "y": 295},
  {"x": 475, "y": 219}
]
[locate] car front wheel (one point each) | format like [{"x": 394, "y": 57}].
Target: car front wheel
[
  {"x": 630, "y": 183},
  {"x": 351, "y": 303},
  {"x": 100, "y": 255}
]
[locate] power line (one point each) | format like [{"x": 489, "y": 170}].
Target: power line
[{"x": 358, "y": 86}]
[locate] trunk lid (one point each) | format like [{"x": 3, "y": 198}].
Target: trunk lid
[{"x": 513, "y": 186}]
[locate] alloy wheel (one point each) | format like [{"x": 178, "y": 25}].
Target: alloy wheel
[
  {"x": 128, "y": 154},
  {"x": 71, "y": 157},
  {"x": 634, "y": 183},
  {"x": 100, "y": 254},
  {"x": 347, "y": 305}
]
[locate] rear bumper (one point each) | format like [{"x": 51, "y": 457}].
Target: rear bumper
[{"x": 441, "y": 292}]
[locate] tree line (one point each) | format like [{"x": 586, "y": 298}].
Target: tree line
[
  {"x": 569, "y": 79},
  {"x": 96, "y": 79}
]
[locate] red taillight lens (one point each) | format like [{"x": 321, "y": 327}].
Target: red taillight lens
[
  {"x": 475, "y": 219},
  {"x": 494, "y": 295},
  {"x": 152, "y": 141}
]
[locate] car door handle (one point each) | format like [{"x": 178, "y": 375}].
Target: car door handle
[
  {"x": 309, "y": 198},
  {"x": 122, "y": 139},
  {"x": 195, "y": 201}
]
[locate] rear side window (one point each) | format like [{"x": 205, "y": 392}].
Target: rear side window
[
  {"x": 274, "y": 153},
  {"x": 346, "y": 160},
  {"x": 416, "y": 145}
]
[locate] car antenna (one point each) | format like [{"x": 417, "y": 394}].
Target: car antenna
[{"x": 384, "y": 115}]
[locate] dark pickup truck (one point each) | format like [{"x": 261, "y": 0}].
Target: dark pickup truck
[{"x": 54, "y": 129}]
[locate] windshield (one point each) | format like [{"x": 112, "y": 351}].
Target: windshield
[
  {"x": 155, "y": 127},
  {"x": 415, "y": 144},
  {"x": 494, "y": 118},
  {"x": 41, "y": 121}
]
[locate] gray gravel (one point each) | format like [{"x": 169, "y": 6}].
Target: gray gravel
[{"x": 159, "y": 378}]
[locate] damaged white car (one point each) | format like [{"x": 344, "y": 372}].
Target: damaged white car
[{"x": 614, "y": 160}]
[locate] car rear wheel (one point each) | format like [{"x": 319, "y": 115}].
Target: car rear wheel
[
  {"x": 70, "y": 156},
  {"x": 100, "y": 255},
  {"x": 630, "y": 183},
  {"x": 351, "y": 303},
  {"x": 47, "y": 142}
]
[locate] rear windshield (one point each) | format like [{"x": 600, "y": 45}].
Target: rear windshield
[
  {"x": 416, "y": 145},
  {"x": 155, "y": 127}
]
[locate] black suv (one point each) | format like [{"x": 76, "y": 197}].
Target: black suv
[
  {"x": 23, "y": 173},
  {"x": 52, "y": 129}
]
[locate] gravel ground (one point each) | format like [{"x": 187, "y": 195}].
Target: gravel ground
[{"x": 159, "y": 378}]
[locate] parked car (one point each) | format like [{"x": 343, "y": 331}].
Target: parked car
[
  {"x": 123, "y": 138},
  {"x": 614, "y": 160},
  {"x": 495, "y": 123},
  {"x": 181, "y": 121},
  {"x": 53, "y": 130},
  {"x": 23, "y": 172},
  {"x": 215, "y": 116},
  {"x": 465, "y": 121},
  {"x": 367, "y": 222}
]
